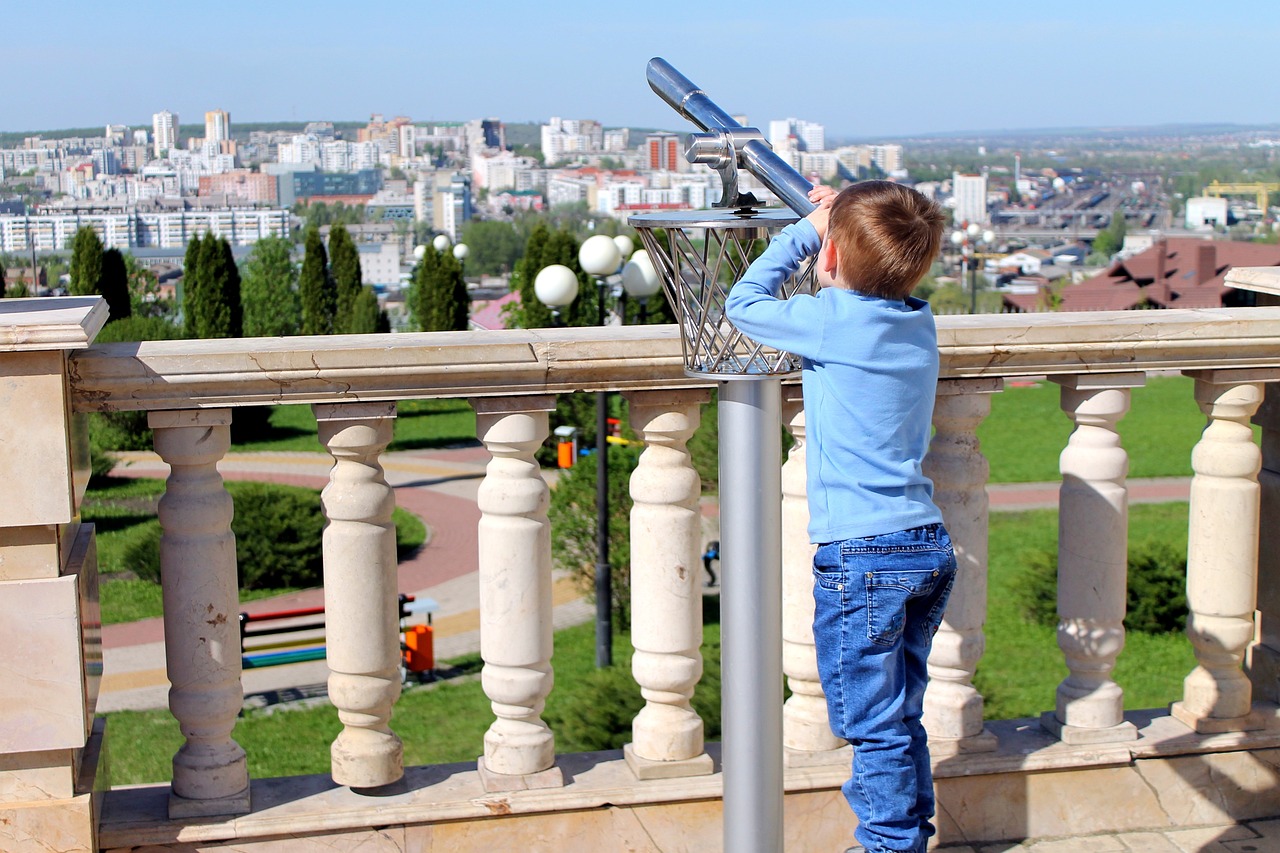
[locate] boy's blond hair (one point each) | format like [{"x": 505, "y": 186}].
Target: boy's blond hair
[{"x": 886, "y": 237}]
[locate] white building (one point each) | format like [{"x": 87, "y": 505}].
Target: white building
[
  {"x": 969, "y": 193},
  {"x": 217, "y": 126},
  {"x": 888, "y": 158},
  {"x": 164, "y": 130},
  {"x": 134, "y": 229},
  {"x": 1204, "y": 212},
  {"x": 793, "y": 134},
  {"x": 562, "y": 138}
]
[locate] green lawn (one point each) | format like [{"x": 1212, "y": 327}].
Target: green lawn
[
  {"x": 419, "y": 424},
  {"x": 1027, "y": 430}
]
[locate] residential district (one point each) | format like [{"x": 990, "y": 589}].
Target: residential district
[{"x": 1067, "y": 223}]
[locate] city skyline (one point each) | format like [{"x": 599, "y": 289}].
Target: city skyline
[{"x": 933, "y": 68}]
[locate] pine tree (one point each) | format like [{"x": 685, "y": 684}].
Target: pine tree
[
  {"x": 192, "y": 275},
  {"x": 315, "y": 288},
  {"x": 86, "y": 262},
  {"x": 438, "y": 298},
  {"x": 269, "y": 290},
  {"x": 344, "y": 265},
  {"x": 114, "y": 284},
  {"x": 220, "y": 312},
  {"x": 365, "y": 314}
]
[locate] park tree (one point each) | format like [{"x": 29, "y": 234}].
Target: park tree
[
  {"x": 438, "y": 297},
  {"x": 220, "y": 313},
  {"x": 315, "y": 288},
  {"x": 344, "y": 266},
  {"x": 192, "y": 279},
  {"x": 366, "y": 317},
  {"x": 269, "y": 290},
  {"x": 1110, "y": 239},
  {"x": 86, "y": 262},
  {"x": 114, "y": 284},
  {"x": 530, "y": 313},
  {"x": 495, "y": 246}
]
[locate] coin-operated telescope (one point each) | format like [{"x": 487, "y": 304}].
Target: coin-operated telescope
[{"x": 699, "y": 255}]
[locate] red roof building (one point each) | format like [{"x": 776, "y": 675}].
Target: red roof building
[{"x": 1176, "y": 272}]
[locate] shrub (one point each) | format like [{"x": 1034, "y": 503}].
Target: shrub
[
  {"x": 1156, "y": 602},
  {"x": 278, "y": 531},
  {"x": 599, "y": 715}
]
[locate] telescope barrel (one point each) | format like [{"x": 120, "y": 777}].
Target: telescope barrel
[{"x": 757, "y": 157}]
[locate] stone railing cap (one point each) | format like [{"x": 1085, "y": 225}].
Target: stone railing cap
[
  {"x": 1257, "y": 279},
  {"x": 50, "y": 323}
]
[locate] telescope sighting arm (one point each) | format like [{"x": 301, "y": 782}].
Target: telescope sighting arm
[{"x": 750, "y": 151}]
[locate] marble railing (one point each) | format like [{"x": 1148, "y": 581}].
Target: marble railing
[{"x": 191, "y": 389}]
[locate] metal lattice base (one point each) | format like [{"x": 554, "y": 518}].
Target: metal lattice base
[{"x": 699, "y": 255}]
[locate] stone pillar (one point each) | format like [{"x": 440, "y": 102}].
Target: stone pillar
[
  {"x": 50, "y": 628},
  {"x": 515, "y": 594},
  {"x": 952, "y": 706},
  {"x": 1222, "y": 553},
  {"x": 360, "y": 592},
  {"x": 201, "y": 602},
  {"x": 1263, "y": 660},
  {"x": 666, "y": 596},
  {"x": 806, "y": 731},
  {"x": 1093, "y": 558}
]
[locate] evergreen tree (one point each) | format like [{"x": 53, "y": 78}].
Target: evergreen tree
[
  {"x": 269, "y": 290},
  {"x": 315, "y": 288},
  {"x": 532, "y": 314},
  {"x": 365, "y": 315},
  {"x": 344, "y": 265},
  {"x": 114, "y": 284},
  {"x": 86, "y": 262},
  {"x": 192, "y": 275},
  {"x": 220, "y": 312},
  {"x": 438, "y": 297}
]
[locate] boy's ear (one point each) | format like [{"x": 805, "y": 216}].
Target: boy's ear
[{"x": 827, "y": 257}]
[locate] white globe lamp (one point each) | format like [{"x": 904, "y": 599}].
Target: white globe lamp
[
  {"x": 418, "y": 252},
  {"x": 625, "y": 246},
  {"x": 639, "y": 278},
  {"x": 555, "y": 286},
  {"x": 599, "y": 255},
  {"x": 461, "y": 251},
  {"x": 441, "y": 242}
]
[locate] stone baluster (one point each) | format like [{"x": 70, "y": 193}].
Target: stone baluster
[
  {"x": 952, "y": 706},
  {"x": 806, "y": 731},
  {"x": 1093, "y": 556},
  {"x": 1263, "y": 661},
  {"x": 201, "y": 601},
  {"x": 515, "y": 594},
  {"x": 666, "y": 594},
  {"x": 1222, "y": 555},
  {"x": 360, "y": 591}
]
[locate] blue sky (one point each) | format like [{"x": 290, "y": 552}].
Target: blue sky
[{"x": 864, "y": 70}]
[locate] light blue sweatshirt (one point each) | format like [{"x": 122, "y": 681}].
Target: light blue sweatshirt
[{"x": 870, "y": 371}]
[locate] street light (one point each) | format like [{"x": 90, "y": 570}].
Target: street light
[
  {"x": 441, "y": 242},
  {"x": 555, "y": 286},
  {"x": 969, "y": 240},
  {"x": 640, "y": 281},
  {"x": 461, "y": 251},
  {"x": 600, "y": 256}
]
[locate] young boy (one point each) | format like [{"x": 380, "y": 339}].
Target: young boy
[{"x": 884, "y": 564}]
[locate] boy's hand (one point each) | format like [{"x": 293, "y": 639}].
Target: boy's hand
[{"x": 821, "y": 195}]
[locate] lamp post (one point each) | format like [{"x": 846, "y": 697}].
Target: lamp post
[
  {"x": 969, "y": 240},
  {"x": 441, "y": 243},
  {"x": 600, "y": 257}
]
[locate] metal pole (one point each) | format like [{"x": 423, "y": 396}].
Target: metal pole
[
  {"x": 604, "y": 586},
  {"x": 751, "y": 613},
  {"x": 973, "y": 286}
]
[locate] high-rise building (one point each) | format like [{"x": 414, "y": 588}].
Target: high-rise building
[
  {"x": 793, "y": 134},
  {"x": 970, "y": 194},
  {"x": 217, "y": 126},
  {"x": 164, "y": 129},
  {"x": 662, "y": 152},
  {"x": 888, "y": 158}
]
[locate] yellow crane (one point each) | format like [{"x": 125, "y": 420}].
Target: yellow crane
[{"x": 1218, "y": 189}]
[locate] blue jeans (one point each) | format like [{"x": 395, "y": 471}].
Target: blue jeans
[{"x": 878, "y": 603}]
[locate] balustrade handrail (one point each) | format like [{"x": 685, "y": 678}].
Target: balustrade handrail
[{"x": 158, "y": 375}]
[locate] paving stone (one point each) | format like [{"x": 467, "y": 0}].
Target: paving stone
[
  {"x": 1148, "y": 842},
  {"x": 1268, "y": 840},
  {"x": 1089, "y": 844},
  {"x": 1207, "y": 839}
]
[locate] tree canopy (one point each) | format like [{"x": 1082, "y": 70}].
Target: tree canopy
[
  {"x": 86, "y": 262},
  {"x": 114, "y": 284},
  {"x": 438, "y": 300},
  {"x": 315, "y": 288},
  {"x": 269, "y": 290},
  {"x": 344, "y": 266}
]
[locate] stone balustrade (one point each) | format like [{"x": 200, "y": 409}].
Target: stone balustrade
[{"x": 191, "y": 389}]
